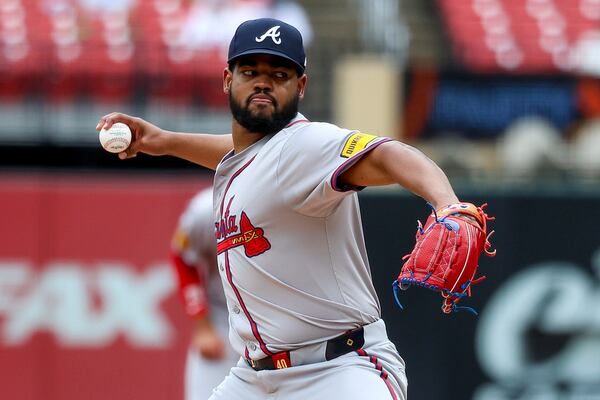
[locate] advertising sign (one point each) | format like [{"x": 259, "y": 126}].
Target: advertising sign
[{"x": 87, "y": 298}]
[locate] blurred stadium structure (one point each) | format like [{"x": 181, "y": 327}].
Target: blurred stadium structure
[
  {"x": 469, "y": 72},
  {"x": 503, "y": 94}
]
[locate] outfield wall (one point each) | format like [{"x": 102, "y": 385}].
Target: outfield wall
[{"x": 88, "y": 305}]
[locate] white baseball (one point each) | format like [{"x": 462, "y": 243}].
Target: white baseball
[{"x": 116, "y": 139}]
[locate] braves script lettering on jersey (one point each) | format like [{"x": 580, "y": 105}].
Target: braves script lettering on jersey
[{"x": 290, "y": 244}]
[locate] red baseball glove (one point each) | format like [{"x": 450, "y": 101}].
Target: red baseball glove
[{"x": 446, "y": 254}]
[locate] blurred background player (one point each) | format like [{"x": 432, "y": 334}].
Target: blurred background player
[{"x": 193, "y": 255}]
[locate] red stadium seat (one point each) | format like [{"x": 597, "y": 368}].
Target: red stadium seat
[
  {"x": 62, "y": 51},
  {"x": 21, "y": 53},
  {"x": 544, "y": 31}
]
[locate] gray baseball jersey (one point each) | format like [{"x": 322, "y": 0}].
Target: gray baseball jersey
[{"x": 290, "y": 245}]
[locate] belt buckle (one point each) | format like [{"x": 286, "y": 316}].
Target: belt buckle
[{"x": 349, "y": 341}]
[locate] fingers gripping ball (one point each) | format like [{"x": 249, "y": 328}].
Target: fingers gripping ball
[
  {"x": 446, "y": 253},
  {"x": 116, "y": 139}
]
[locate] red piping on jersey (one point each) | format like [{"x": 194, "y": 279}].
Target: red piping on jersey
[
  {"x": 235, "y": 175},
  {"x": 253, "y": 325},
  {"x": 263, "y": 346},
  {"x": 383, "y": 375},
  {"x": 296, "y": 122},
  {"x": 351, "y": 161}
]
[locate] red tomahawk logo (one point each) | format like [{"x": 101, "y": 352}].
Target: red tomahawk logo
[{"x": 250, "y": 237}]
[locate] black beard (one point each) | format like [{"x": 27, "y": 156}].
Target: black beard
[{"x": 261, "y": 124}]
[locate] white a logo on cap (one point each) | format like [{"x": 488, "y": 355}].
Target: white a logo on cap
[{"x": 273, "y": 33}]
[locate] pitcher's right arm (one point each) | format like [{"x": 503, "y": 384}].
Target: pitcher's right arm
[{"x": 200, "y": 148}]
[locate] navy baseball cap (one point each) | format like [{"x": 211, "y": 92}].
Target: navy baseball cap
[{"x": 268, "y": 36}]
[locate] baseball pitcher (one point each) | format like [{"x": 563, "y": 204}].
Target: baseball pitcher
[{"x": 303, "y": 313}]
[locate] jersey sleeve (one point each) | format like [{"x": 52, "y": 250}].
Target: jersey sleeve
[
  {"x": 191, "y": 287},
  {"x": 311, "y": 162},
  {"x": 193, "y": 252}
]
